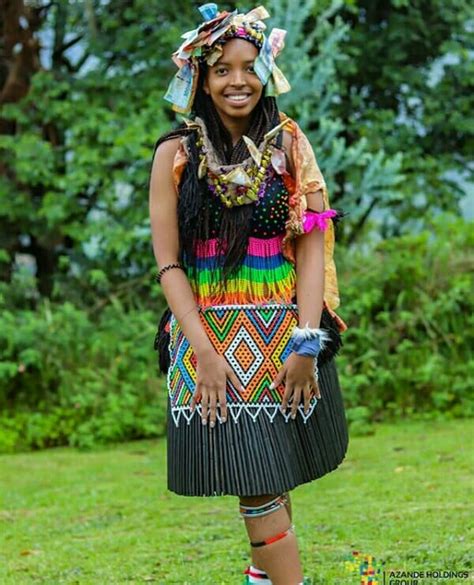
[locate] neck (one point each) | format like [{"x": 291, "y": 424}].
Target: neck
[{"x": 236, "y": 127}]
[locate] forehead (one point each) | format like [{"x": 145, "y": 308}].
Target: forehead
[{"x": 238, "y": 50}]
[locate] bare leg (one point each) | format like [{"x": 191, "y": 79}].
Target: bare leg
[
  {"x": 288, "y": 509},
  {"x": 280, "y": 559}
]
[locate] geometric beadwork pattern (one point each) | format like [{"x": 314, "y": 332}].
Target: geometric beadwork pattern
[{"x": 255, "y": 340}]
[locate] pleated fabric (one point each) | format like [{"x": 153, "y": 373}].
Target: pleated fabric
[{"x": 259, "y": 457}]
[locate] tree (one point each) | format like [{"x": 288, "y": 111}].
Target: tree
[
  {"x": 81, "y": 86},
  {"x": 76, "y": 138},
  {"x": 407, "y": 87},
  {"x": 359, "y": 179}
]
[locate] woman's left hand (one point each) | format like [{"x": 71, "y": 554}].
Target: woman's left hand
[{"x": 298, "y": 373}]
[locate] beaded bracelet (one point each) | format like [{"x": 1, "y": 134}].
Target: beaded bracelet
[
  {"x": 165, "y": 269},
  {"x": 309, "y": 342}
]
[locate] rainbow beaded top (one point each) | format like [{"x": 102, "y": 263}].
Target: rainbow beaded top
[{"x": 265, "y": 275}]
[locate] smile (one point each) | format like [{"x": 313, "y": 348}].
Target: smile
[{"x": 237, "y": 98}]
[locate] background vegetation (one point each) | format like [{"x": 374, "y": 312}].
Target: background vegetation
[{"x": 383, "y": 89}]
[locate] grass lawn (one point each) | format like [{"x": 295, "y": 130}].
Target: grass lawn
[{"x": 403, "y": 495}]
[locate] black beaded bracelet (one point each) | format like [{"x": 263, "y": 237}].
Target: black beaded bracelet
[{"x": 165, "y": 269}]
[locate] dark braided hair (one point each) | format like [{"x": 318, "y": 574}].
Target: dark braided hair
[{"x": 193, "y": 204}]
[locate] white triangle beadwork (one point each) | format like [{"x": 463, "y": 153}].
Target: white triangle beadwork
[{"x": 236, "y": 410}]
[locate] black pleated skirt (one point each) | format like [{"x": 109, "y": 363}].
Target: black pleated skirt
[{"x": 253, "y": 457}]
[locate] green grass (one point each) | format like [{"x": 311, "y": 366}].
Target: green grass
[{"x": 402, "y": 494}]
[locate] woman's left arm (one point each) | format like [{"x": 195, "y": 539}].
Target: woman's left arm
[
  {"x": 310, "y": 270},
  {"x": 297, "y": 372},
  {"x": 309, "y": 253}
]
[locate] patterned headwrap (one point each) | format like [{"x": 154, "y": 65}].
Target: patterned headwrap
[{"x": 205, "y": 44}]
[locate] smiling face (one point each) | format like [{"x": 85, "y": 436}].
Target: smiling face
[{"x": 232, "y": 83}]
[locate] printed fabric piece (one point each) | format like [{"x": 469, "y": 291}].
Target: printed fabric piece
[
  {"x": 255, "y": 340},
  {"x": 309, "y": 179}
]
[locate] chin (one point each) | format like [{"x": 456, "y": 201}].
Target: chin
[{"x": 242, "y": 113}]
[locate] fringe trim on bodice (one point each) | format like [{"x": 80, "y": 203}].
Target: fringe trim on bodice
[{"x": 265, "y": 275}]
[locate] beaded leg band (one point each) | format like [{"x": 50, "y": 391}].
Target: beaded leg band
[
  {"x": 264, "y": 509},
  {"x": 272, "y": 539}
]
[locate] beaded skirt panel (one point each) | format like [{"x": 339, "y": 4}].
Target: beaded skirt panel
[{"x": 255, "y": 340}]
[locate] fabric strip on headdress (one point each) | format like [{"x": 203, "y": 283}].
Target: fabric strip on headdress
[{"x": 198, "y": 44}]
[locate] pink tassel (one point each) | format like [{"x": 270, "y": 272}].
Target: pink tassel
[{"x": 313, "y": 219}]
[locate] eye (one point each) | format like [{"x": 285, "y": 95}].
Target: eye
[
  {"x": 251, "y": 68},
  {"x": 220, "y": 70}
]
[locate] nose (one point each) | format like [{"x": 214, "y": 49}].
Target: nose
[{"x": 237, "y": 79}]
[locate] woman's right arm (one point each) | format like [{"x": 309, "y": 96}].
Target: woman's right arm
[
  {"x": 164, "y": 228},
  {"x": 213, "y": 369}
]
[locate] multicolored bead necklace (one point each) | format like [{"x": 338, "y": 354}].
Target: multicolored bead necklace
[
  {"x": 243, "y": 193},
  {"x": 239, "y": 184}
]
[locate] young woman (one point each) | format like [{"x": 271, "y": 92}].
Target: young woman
[{"x": 243, "y": 237}]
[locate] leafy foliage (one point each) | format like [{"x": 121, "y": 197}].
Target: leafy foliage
[
  {"x": 69, "y": 378},
  {"x": 384, "y": 91},
  {"x": 406, "y": 87},
  {"x": 409, "y": 307},
  {"x": 66, "y": 378},
  {"x": 77, "y": 143},
  {"x": 359, "y": 178}
]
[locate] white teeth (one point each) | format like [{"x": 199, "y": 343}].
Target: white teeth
[{"x": 237, "y": 98}]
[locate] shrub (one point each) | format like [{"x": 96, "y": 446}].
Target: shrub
[
  {"x": 409, "y": 308},
  {"x": 69, "y": 379}
]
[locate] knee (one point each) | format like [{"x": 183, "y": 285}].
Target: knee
[
  {"x": 255, "y": 506},
  {"x": 261, "y": 500},
  {"x": 256, "y": 500}
]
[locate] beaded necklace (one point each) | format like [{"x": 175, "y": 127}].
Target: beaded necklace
[
  {"x": 239, "y": 184},
  {"x": 249, "y": 187}
]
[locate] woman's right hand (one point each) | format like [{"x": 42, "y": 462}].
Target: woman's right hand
[{"x": 211, "y": 383}]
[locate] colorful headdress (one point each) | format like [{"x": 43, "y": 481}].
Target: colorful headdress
[{"x": 205, "y": 44}]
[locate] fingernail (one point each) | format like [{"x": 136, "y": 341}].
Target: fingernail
[
  {"x": 242, "y": 388},
  {"x": 204, "y": 421},
  {"x": 223, "y": 419},
  {"x": 213, "y": 424},
  {"x": 272, "y": 385},
  {"x": 282, "y": 409},
  {"x": 293, "y": 416}
]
